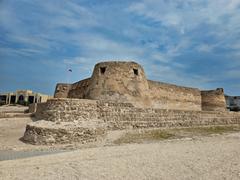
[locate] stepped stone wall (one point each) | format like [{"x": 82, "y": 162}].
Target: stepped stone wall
[
  {"x": 48, "y": 132},
  {"x": 79, "y": 120},
  {"x": 125, "y": 115},
  {"x": 122, "y": 116}
]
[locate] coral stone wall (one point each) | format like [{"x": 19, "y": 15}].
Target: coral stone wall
[
  {"x": 80, "y": 120},
  {"x": 213, "y": 100},
  {"x": 168, "y": 96},
  {"x": 67, "y": 110},
  {"x": 122, "y": 116},
  {"x": 120, "y": 82},
  {"x": 79, "y": 89},
  {"x": 61, "y": 90},
  {"x": 125, "y": 115},
  {"x": 125, "y": 82}
]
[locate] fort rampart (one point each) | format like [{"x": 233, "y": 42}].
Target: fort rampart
[
  {"x": 118, "y": 96},
  {"x": 125, "y": 115},
  {"x": 126, "y": 82},
  {"x": 69, "y": 120}
]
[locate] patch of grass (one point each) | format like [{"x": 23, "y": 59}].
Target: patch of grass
[
  {"x": 211, "y": 130},
  {"x": 144, "y": 135},
  {"x": 173, "y": 133}
]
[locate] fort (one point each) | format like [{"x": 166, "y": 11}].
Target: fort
[{"x": 119, "y": 96}]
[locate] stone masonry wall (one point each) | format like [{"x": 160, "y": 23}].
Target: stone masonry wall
[
  {"x": 80, "y": 120},
  {"x": 126, "y": 82},
  {"x": 67, "y": 110},
  {"x": 61, "y": 90},
  {"x": 125, "y": 115},
  {"x": 122, "y": 116},
  {"x": 213, "y": 100},
  {"x": 79, "y": 89},
  {"x": 168, "y": 96}
]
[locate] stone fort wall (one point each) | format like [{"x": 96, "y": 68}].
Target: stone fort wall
[
  {"x": 213, "y": 100},
  {"x": 125, "y": 115},
  {"x": 126, "y": 82},
  {"x": 68, "y": 120}
]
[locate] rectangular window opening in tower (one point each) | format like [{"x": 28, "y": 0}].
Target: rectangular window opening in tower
[
  {"x": 102, "y": 70},
  {"x": 135, "y": 71}
]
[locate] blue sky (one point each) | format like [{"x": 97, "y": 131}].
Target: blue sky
[{"x": 192, "y": 43}]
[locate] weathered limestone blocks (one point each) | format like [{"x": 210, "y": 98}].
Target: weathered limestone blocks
[
  {"x": 68, "y": 110},
  {"x": 169, "y": 96},
  {"x": 118, "y": 116},
  {"x": 61, "y": 90},
  {"x": 79, "y": 120},
  {"x": 213, "y": 100},
  {"x": 125, "y": 115},
  {"x": 48, "y": 132},
  {"x": 79, "y": 89}
]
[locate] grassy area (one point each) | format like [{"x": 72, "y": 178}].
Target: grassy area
[
  {"x": 144, "y": 135},
  {"x": 211, "y": 130},
  {"x": 161, "y": 134}
]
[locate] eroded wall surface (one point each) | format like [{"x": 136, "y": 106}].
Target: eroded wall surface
[
  {"x": 79, "y": 89},
  {"x": 168, "y": 96},
  {"x": 213, "y": 100},
  {"x": 62, "y": 90}
]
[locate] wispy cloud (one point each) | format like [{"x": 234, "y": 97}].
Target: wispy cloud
[{"x": 192, "y": 42}]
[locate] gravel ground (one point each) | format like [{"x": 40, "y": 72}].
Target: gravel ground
[
  {"x": 216, "y": 157},
  {"x": 13, "y": 109}
]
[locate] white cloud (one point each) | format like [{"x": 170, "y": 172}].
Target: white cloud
[{"x": 190, "y": 13}]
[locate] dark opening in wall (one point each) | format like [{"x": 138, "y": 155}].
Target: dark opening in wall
[
  {"x": 12, "y": 99},
  {"x": 31, "y": 99},
  {"x": 102, "y": 70},
  {"x": 135, "y": 71}
]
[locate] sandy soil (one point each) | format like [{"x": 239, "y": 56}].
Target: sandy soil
[
  {"x": 216, "y": 157},
  {"x": 11, "y": 129},
  {"x": 12, "y": 109}
]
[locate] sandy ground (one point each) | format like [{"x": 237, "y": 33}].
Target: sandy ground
[
  {"x": 11, "y": 129},
  {"x": 12, "y": 109},
  {"x": 216, "y": 157}
]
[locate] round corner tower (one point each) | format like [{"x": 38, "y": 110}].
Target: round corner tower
[{"x": 119, "y": 81}]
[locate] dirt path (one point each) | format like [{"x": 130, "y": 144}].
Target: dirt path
[{"x": 216, "y": 157}]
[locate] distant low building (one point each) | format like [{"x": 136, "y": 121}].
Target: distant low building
[
  {"x": 22, "y": 97},
  {"x": 233, "y": 103}
]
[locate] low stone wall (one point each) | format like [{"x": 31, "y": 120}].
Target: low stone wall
[
  {"x": 47, "y": 132},
  {"x": 77, "y": 113},
  {"x": 122, "y": 116},
  {"x": 67, "y": 110}
]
